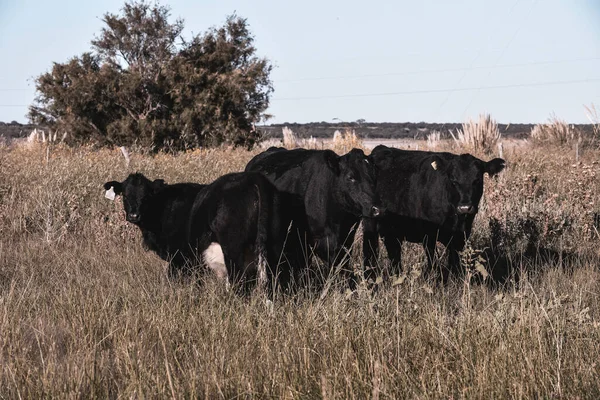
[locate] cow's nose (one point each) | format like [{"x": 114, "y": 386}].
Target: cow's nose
[
  {"x": 375, "y": 211},
  {"x": 467, "y": 209},
  {"x": 134, "y": 217}
]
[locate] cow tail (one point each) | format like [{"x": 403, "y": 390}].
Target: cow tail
[{"x": 262, "y": 235}]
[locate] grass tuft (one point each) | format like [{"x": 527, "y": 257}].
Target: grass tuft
[{"x": 478, "y": 136}]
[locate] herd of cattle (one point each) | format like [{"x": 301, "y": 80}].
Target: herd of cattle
[{"x": 263, "y": 224}]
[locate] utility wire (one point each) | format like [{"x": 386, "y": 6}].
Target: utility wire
[
  {"x": 463, "y": 89},
  {"x": 443, "y": 103},
  {"x": 512, "y": 38},
  {"x": 434, "y": 71},
  {"x": 423, "y": 91}
]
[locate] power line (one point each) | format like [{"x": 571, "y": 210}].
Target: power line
[
  {"x": 464, "y": 89},
  {"x": 423, "y": 91},
  {"x": 512, "y": 38},
  {"x": 415, "y": 72},
  {"x": 432, "y": 71},
  {"x": 479, "y": 53}
]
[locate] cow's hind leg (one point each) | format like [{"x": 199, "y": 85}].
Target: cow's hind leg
[
  {"x": 237, "y": 273},
  {"x": 179, "y": 267}
]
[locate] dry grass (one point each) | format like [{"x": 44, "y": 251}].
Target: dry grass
[
  {"x": 434, "y": 140},
  {"x": 346, "y": 141},
  {"x": 482, "y": 135},
  {"x": 290, "y": 140},
  {"x": 556, "y": 132},
  {"x": 86, "y": 312},
  {"x": 593, "y": 115}
]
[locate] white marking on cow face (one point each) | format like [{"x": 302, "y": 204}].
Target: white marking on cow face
[
  {"x": 434, "y": 165},
  {"x": 110, "y": 194},
  {"x": 214, "y": 259}
]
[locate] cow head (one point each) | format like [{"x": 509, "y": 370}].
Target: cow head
[
  {"x": 136, "y": 189},
  {"x": 464, "y": 179},
  {"x": 356, "y": 182}
]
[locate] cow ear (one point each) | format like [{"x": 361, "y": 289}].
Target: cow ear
[
  {"x": 333, "y": 161},
  {"x": 495, "y": 166},
  {"x": 158, "y": 183},
  {"x": 117, "y": 186},
  {"x": 382, "y": 157}
]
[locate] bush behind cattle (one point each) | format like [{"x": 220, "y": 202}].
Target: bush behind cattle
[{"x": 86, "y": 312}]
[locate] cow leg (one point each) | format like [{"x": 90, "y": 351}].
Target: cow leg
[
  {"x": 432, "y": 268},
  {"x": 343, "y": 252},
  {"x": 393, "y": 246},
  {"x": 347, "y": 272},
  {"x": 454, "y": 248},
  {"x": 370, "y": 248},
  {"x": 236, "y": 269},
  {"x": 279, "y": 275},
  {"x": 178, "y": 267},
  {"x": 454, "y": 261}
]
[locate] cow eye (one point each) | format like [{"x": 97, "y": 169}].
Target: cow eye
[{"x": 351, "y": 178}]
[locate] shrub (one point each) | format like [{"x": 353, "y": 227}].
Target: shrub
[
  {"x": 482, "y": 135},
  {"x": 142, "y": 86}
]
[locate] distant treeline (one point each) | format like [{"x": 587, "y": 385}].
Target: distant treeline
[
  {"x": 384, "y": 130},
  {"x": 12, "y": 130},
  {"x": 393, "y": 130}
]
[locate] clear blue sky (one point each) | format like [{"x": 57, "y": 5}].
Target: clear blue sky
[{"x": 380, "y": 61}]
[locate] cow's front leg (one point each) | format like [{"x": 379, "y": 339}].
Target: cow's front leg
[
  {"x": 393, "y": 246},
  {"x": 454, "y": 248},
  {"x": 370, "y": 249},
  {"x": 433, "y": 268}
]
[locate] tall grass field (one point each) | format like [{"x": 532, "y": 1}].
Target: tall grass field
[{"x": 87, "y": 312}]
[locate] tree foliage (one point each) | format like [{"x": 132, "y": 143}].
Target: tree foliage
[{"x": 143, "y": 84}]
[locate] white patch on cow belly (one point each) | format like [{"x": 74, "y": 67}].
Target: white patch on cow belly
[{"x": 214, "y": 259}]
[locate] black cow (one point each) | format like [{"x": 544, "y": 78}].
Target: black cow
[
  {"x": 428, "y": 197},
  {"x": 335, "y": 191},
  {"x": 161, "y": 211},
  {"x": 249, "y": 218}
]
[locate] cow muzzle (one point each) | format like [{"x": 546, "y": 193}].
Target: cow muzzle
[
  {"x": 465, "y": 209},
  {"x": 133, "y": 218}
]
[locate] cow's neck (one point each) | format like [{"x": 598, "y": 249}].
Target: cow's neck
[{"x": 325, "y": 213}]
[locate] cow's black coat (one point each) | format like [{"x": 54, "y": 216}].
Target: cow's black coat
[
  {"x": 334, "y": 190},
  {"x": 249, "y": 218},
  {"x": 161, "y": 211},
  {"x": 428, "y": 197}
]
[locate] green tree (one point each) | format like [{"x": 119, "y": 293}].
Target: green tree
[{"x": 144, "y": 85}]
